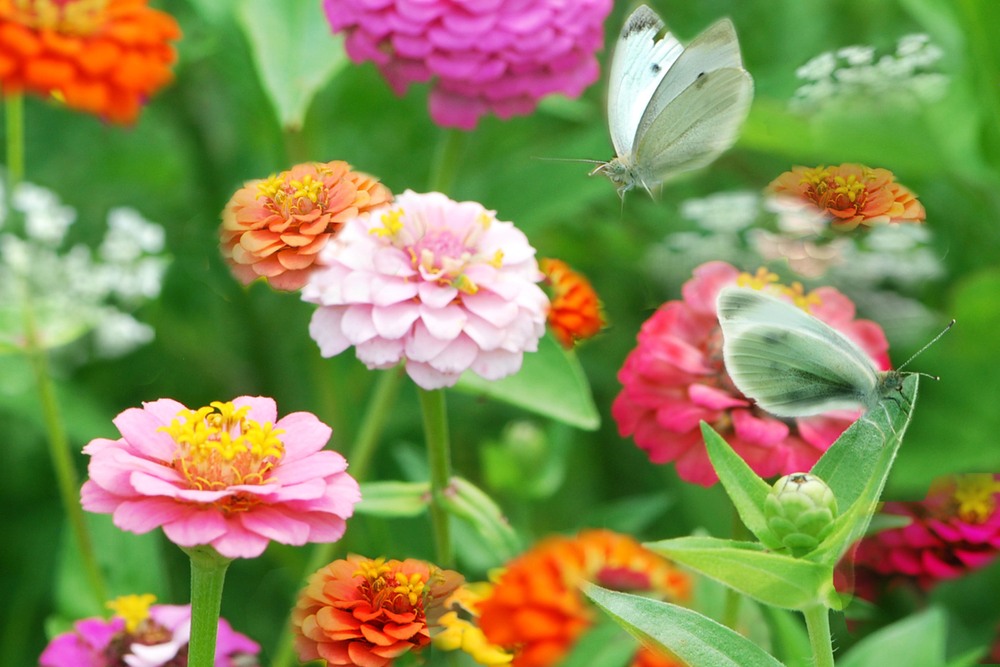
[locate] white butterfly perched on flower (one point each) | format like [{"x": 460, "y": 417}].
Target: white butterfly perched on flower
[
  {"x": 670, "y": 108},
  {"x": 793, "y": 364}
]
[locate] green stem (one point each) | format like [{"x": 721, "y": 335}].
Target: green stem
[
  {"x": 359, "y": 458},
  {"x": 62, "y": 460},
  {"x": 446, "y": 161},
  {"x": 208, "y": 574},
  {"x": 818, "y": 625},
  {"x": 14, "y": 117},
  {"x": 439, "y": 459}
]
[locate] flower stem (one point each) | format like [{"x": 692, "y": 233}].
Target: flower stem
[
  {"x": 446, "y": 161},
  {"x": 359, "y": 458},
  {"x": 208, "y": 573},
  {"x": 731, "y": 610},
  {"x": 59, "y": 452},
  {"x": 14, "y": 117},
  {"x": 818, "y": 625},
  {"x": 439, "y": 458}
]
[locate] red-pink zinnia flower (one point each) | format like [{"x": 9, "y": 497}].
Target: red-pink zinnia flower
[
  {"x": 954, "y": 530},
  {"x": 492, "y": 56},
  {"x": 231, "y": 475},
  {"x": 441, "y": 284},
  {"x": 675, "y": 378},
  {"x": 155, "y": 636}
]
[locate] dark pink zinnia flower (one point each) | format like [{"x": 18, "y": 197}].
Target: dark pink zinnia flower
[
  {"x": 488, "y": 56},
  {"x": 675, "y": 378},
  {"x": 954, "y": 530}
]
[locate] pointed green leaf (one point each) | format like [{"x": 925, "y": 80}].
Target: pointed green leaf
[
  {"x": 915, "y": 640},
  {"x": 745, "y": 488},
  {"x": 774, "y": 579},
  {"x": 604, "y": 644},
  {"x": 394, "y": 499},
  {"x": 697, "y": 640},
  {"x": 550, "y": 383},
  {"x": 857, "y": 466},
  {"x": 294, "y": 51},
  {"x": 466, "y": 501}
]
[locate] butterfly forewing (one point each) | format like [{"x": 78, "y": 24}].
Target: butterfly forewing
[
  {"x": 637, "y": 67},
  {"x": 696, "y": 126},
  {"x": 714, "y": 49},
  {"x": 791, "y": 363}
]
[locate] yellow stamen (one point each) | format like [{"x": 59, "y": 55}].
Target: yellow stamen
[
  {"x": 133, "y": 609},
  {"x": 391, "y": 223},
  {"x": 307, "y": 188},
  {"x": 270, "y": 187},
  {"x": 76, "y": 17},
  {"x": 757, "y": 281},
  {"x": 412, "y": 587},
  {"x": 975, "y": 497},
  {"x": 849, "y": 186}
]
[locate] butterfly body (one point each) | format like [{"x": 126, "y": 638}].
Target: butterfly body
[{"x": 672, "y": 109}]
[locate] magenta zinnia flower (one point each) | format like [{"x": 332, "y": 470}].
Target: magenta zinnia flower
[
  {"x": 675, "y": 378},
  {"x": 496, "y": 56},
  {"x": 157, "y": 637},
  {"x": 441, "y": 284},
  {"x": 231, "y": 475},
  {"x": 953, "y": 531}
]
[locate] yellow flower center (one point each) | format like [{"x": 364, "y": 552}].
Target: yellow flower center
[
  {"x": 133, "y": 609},
  {"x": 849, "y": 186},
  {"x": 975, "y": 497},
  {"x": 385, "y": 587},
  {"x": 307, "y": 188},
  {"x": 74, "y": 17},
  {"x": 218, "y": 447},
  {"x": 764, "y": 278}
]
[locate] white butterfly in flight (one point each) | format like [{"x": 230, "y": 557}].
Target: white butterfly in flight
[
  {"x": 672, "y": 109},
  {"x": 793, "y": 364}
]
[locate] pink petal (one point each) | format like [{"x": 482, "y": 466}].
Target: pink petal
[
  {"x": 427, "y": 377},
  {"x": 457, "y": 357},
  {"x": 262, "y": 408},
  {"x": 396, "y": 320},
  {"x": 496, "y": 364},
  {"x": 142, "y": 516},
  {"x": 422, "y": 346},
  {"x": 759, "y": 430},
  {"x": 275, "y": 525},
  {"x": 443, "y": 323},
  {"x": 324, "y": 328},
  {"x": 238, "y": 542},
  {"x": 140, "y": 429},
  {"x": 197, "y": 526},
  {"x": 357, "y": 324},
  {"x": 303, "y": 435},
  {"x": 380, "y": 353},
  {"x": 296, "y": 470}
]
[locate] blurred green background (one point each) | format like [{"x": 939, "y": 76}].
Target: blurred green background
[{"x": 215, "y": 128}]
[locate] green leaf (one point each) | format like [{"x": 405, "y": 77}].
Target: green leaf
[
  {"x": 857, "y": 466},
  {"x": 551, "y": 383},
  {"x": 294, "y": 51},
  {"x": 915, "y": 640},
  {"x": 745, "y": 488},
  {"x": 394, "y": 499},
  {"x": 469, "y": 503},
  {"x": 697, "y": 640},
  {"x": 789, "y": 639},
  {"x": 771, "y": 578}
]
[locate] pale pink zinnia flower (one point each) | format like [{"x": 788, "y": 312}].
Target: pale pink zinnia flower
[
  {"x": 231, "y": 475},
  {"x": 498, "y": 56},
  {"x": 441, "y": 284},
  {"x": 675, "y": 378}
]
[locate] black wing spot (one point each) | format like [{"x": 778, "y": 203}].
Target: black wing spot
[{"x": 654, "y": 68}]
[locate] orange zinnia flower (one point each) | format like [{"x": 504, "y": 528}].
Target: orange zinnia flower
[
  {"x": 105, "y": 57},
  {"x": 852, "y": 193},
  {"x": 575, "y": 313},
  {"x": 275, "y": 227},
  {"x": 368, "y": 612},
  {"x": 537, "y": 609}
]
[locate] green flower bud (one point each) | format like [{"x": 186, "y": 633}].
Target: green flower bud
[{"x": 800, "y": 510}]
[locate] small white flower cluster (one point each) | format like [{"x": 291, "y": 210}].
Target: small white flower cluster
[
  {"x": 70, "y": 292},
  {"x": 853, "y": 74}
]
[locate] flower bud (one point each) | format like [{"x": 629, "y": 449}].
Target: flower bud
[{"x": 800, "y": 510}]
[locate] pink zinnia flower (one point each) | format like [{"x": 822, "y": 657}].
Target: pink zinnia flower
[
  {"x": 498, "y": 56},
  {"x": 675, "y": 378},
  {"x": 157, "y": 637},
  {"x": 441, "y": 284},
  {"x": 232, "y": 475},
  {"x": 954, "y": 530}
]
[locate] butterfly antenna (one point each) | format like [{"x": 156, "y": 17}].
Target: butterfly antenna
[
  {"x": 921, "y": 350},
  {"x": 567, "y": 159}
]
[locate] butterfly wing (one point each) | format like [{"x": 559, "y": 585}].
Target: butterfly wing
[
  {"x": 715, "y": 48},
  {"x": 790, "y": 363},
  {"x": 638, "y": 66},
  {"x": 696, "y": 127}
]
